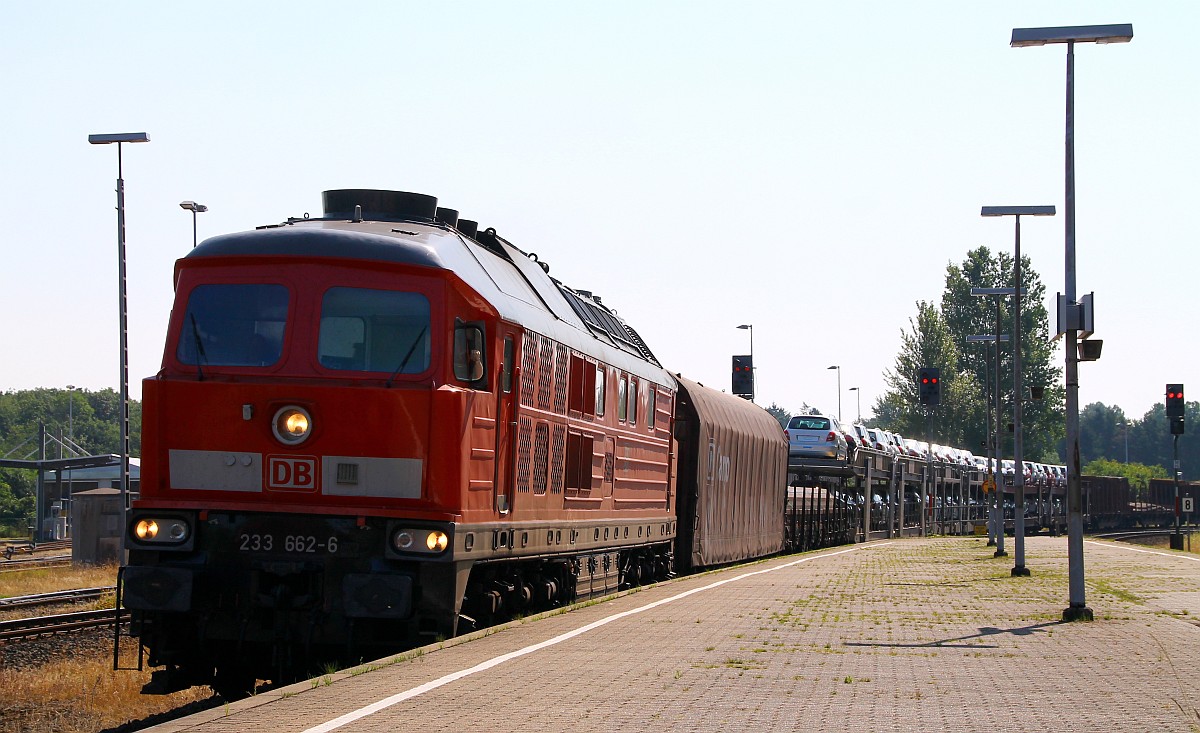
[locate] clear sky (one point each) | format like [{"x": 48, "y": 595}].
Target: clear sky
[{"x": 808, "y": 169}]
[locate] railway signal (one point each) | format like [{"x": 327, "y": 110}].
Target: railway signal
[
  {"x": 743, "y": 376},
  {"x": 1175, "y": 407},
  {"x": 929, "y": 386}
]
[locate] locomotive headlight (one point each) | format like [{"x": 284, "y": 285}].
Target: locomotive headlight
[
  {"x": 436, "y": 541},
  {"x": 403, "y": 540},
  {"x": 161, "y": 530},
  {"x": 292, "y": 425},
  {"x": 146, "y": 529},
  {"x": 420, "y": 541}
]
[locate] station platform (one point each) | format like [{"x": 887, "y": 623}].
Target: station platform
[{"x": 929, "y": 634}]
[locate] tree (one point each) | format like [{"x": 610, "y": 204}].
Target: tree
[
  {"x": 91, "y": 417},
  {"x": 929, "y": 343},
  {"x": 938, "y": 338},
  {"x": 782, "y": 414},
  {"x": 779, "y": 413},
  {"x": 1151, "y": 442},
  {"x": 1139, "y": 475},
  {"x": 1101, "y": 433}
]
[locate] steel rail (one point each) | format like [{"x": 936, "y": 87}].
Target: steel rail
[{"x": 26, "y": 628}]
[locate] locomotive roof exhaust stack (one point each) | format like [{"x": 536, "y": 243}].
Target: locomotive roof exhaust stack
[
  {"x": 379, "y": 205},
  {"x": 446, "y": 216},
  {"x": 467, "y": 227}
]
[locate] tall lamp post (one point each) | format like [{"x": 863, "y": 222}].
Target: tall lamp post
[
  {"x": 195, "y": 208},
  {"x": 992, "y": 446},
  {"x": 1070, "y": 35},
  {"x": 858, "y": 397},
  {"x": 1018, "y": 392},
  {"x": 998, "y": 293},
  {"x": 119, "y": 138},
  {"x": 753, "y": 369},
  {"x": 71, "y": 432},
  {"x": 839, "y": 375}
]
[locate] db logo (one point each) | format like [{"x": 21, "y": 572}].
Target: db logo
[{"x": 292, "y": 473}]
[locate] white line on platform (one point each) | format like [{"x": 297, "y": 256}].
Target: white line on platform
[
  {"x": 1119, "y": 546},
  {"x": 400, "y": 697}
]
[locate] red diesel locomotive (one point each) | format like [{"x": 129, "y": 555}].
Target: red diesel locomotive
[{"x": 383, "y": 426}]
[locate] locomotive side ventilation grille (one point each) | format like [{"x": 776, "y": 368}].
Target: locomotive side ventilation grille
[
  {"x": 558, "y": 459},
  {"x": 524, "y": 450},
  {"x": 541, "y": 458},
  {"x": 545, "y": 373},
  {"x": 529, "y": 360},
  {"x": 562, "y": 360}
]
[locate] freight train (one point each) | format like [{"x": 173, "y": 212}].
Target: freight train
[{"x": 385, "y": 426}]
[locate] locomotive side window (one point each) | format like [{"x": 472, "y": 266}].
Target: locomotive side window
[
  {"x": 622, "y": 398},
  {"x": 578, "y": 388},
  {"x": 633, "y": 400},
  {"x": 233, "y": 325},
  {"x": 600, "y": 391},
  {"x": 506, "y": 369},
  {"x": 651, "y": 405},
  {"x": 374, "y": 331},
  {"x": 469, "y": 349}
]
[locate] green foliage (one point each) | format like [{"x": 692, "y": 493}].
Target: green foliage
[
  {"x": 938, "y": 338},
  {"x": 930, "y": 342},
  {"x": 89, "y": 418},
  {"x": 1106, "y": 432},
  {"x": 779, "y": 413},
  {"x": 1139, "y": 475},
  {"x": 782, "y": 414}
]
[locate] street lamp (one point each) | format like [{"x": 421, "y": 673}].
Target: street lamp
[
  {"x": 107, "y": 139},
  {"x": 999, "y": 293},
  {"x": 753, "y": 369},
  {"x": 1070, "y": 35},
  {"x": 195, "y": 208},
  {"x": 1018, "y": 447},
  {"x": 839, "y": 375},
  {"x": 71, "y": 431},
  {"x": 857, "y": 396},
  {"x": 992, "y": 441}
]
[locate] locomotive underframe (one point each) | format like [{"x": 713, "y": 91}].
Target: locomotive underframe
[{"x": 262, "y": 596}]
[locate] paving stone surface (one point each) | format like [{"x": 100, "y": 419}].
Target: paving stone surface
[{"x": 914, "y": 634}]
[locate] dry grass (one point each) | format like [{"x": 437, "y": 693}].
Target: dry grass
[
  {"x": 48, "y": 580},
  {"x": 80, "y": 696}
]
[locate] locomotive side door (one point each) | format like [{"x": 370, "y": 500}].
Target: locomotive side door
[{"x": 506, "y": 420}]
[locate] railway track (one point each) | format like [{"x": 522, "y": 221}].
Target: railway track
[
  {"x": 27, "y": 563},
  {"x": 49, "y": 599},
  {"x": 1135, "y": 533},
  {"x": 27, "y": 628}
]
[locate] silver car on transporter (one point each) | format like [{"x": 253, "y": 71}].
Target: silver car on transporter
[{"x": 815, "y": 436}]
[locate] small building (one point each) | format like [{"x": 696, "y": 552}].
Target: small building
[
  {"x": 58, "y": 514},
  {"x": 97, "y": 517}
]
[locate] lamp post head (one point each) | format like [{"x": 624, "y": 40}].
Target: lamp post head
[
  {"x": 1117, "y": 33},
  {"x": 1017, "y": 211},
  {"x": 118, "y": 137},
  {"x": 744, "y": 326},
  {"x": 193, "y": 206},
  {"x": 835, "y": 366}
]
